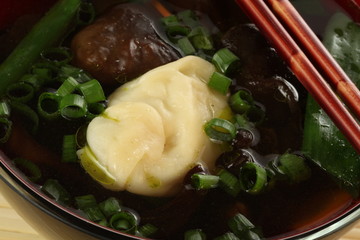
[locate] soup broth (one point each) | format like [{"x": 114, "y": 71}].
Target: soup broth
[{"x": 283, "y": 209}]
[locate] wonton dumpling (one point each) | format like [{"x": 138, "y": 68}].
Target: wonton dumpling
[{"x": 152, "y": 133}]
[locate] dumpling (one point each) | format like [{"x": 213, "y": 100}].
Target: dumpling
[{"x": 152, "y": 133}]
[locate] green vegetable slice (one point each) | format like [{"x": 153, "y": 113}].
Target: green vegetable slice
[{"x": 323, "y": 142}]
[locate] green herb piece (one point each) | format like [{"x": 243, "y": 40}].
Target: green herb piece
[
  {"x": 220, "y": 130},
  {"x": 204, "y": 181},
  {"x": 194, "y": 234},
  {"x": 31, "y": 170},
  {"x": 252, "y": 178},
  {"x": 220, "y": 83}
]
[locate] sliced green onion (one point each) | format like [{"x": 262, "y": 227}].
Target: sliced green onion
[
  {"x": 228, "y": 236},
  {"x": 95, "y": 109},
  {"x": 175, "y": 32},
  {"x": 251, "y": 235},
  {"x": 241, "y": 101},
  {"x": 73, "y": 106},
  {"x": 294, "y": 167},
  {"x": 28, "y": 113},
  {"x": 33, "y": 80},
  {"x": 45, "y": 74},
  {"x": 85, "y": 14},
  {"x": 194, "y": 234},
  {"x": 67, "y": 87},
  {"x": 4, "y": 108},
  {"x": 229, "y": 183},
  {"x": 71, "y": 71},
  {"x": 147, "y": 230},
  {"x": 202, "y": 42},
  {"x": 58, "y": 56},
  {"x": 220, "y": 82},
  {"x": 69, "y": 148},
  {"x": 239, "y": 224},
  {"x": 225, "y": 61},
  {"x": 94, "y": 214},
  {"x": 253, "y": 178},
  {"x": 85, "y": 201},
  {"x": 5, "y": 129},
  {"x": 220, "y": 130},
  {"x": 204, "y": 181},
  {"x": 55, "y": 190},
  {"x": 21, "y": 92},
  {"x": 185, "y": 46},
  {"x": 189, "y": 18},
  {"x": 110, "y": 206},
  {"x": 92, "y": 91},
  {"x": 241, "y": 121},
  {"x": 30, "y": 169},
  {"x": 170, "y": 20},
  {"x": 48, "y": 105},
  {"x": 124, "y": 221},
  {"x": 200, "y": 38}
]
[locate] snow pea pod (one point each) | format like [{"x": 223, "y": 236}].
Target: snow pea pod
[
  {"x": 43, "y": 35},
  {"x": 323, "y": 142}
]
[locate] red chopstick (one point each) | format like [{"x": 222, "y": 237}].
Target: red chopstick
[
  {"x": 307, "y": 74},
  {"x": 344, "y": 87}
]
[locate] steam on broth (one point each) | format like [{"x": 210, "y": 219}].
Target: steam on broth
[{"x": 166, "y": 122}]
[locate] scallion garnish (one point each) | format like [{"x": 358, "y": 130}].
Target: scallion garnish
[
  {"x": 241, "y": 101},
  {"x": 69, "y": 149},
  {"x": 110, "y": 206},
  {"x": 94, "y": 214},
  {"x": 124, "y": 221},
  {"x": 48, "y": 105},
  {"x": 94, "y": 109},
  {"x": 20, "y": 91},
  {"x": 71, "y": 71},
  {"x": 185, "y": 46},
  {"x": 170, "y": 20},
  {"x": 57, "y": 56},
  {"x": 92, "y": 91},
  {"x": 31, "y": 170},
  {"x": 175, "y": 32},
  {"x": 73, "y": 106},
  {"x": 85, "y": 201},
  {"x": 4, "y": 108},
  {"x": 220, "y": 82},
  {"x": 33, "y": 80},
  {"x": 220, "y": 130},
  {"x": 294, "y": 167},
  {"x": 229, "y": 183},
  {"x": 228, "y": 236},
  {"x": 225, "y": 61},
  {"x": 67, "y": 87},
  {"x": 252, "y": 178},
  {"x": 55, "y": 190},
  {"x": 204, "y": 181},
  {"x": 194, "y": 234},
  {"x": 147, "y": 230},
  {"x": 240, "y": 224}
]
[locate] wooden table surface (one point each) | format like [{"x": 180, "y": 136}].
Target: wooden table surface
[{"x": 12, "y": 227}]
